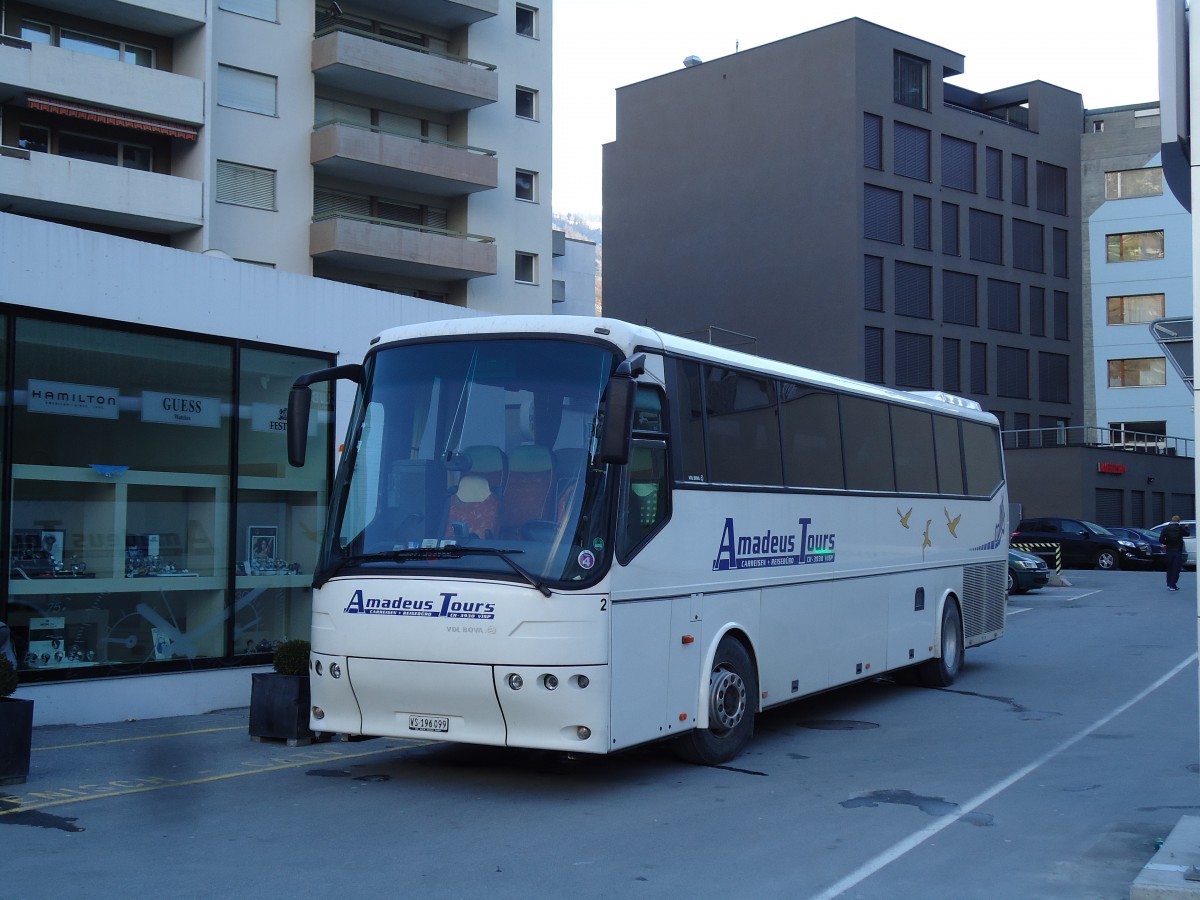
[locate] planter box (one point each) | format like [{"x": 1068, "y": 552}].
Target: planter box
[
  {"x": 279, "y": 708},
  {"x": 16, "y": 739}
]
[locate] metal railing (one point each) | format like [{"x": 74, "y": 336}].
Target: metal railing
[
  {"x": 405, "y": 45},
  {"x": 400, "y": 134},
  {"x": 1092, "y": 436},
  {"x": 393, "y": 223}
]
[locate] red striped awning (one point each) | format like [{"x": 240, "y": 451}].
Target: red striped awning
[{"x": 112, "y": 117}]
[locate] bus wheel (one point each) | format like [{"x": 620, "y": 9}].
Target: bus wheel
[
  {"x": 942, "y": 670},
  {"x": 732, "y": 696}
]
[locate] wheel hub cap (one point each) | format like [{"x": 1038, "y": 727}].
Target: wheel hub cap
[{"x": 728, "y": 699}]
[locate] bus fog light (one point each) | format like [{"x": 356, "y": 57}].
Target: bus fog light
[
  {"x": 515, "y": 681},
  {"x": 550, "y": 681},
  {"x": 318, "y": 713},
  {"x": 583, "y": 681},
  {"x": 335, "y": 670},
  {"x": 317, "y": 667},
  {"x": 584, "y": 732}
]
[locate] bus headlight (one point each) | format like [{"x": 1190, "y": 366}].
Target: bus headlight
[
  {"x": 583, "y": 681},
  {"x": 584, "y": 732},
  {"x": 335, "y": 670},
  {"x": 550, "y": 682},
  {"x": 515, "y": 681}
]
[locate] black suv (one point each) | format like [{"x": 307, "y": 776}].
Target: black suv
[{"x": 1084, "y": 544}]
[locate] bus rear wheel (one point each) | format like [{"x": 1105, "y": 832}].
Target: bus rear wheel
[
  {"x": 732, "y": 696},
  {"x": 943, "y": 669}
]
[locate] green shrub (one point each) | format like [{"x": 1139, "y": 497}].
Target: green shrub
[
  {"x": 291, "y": 657},
  {"x": 8, "y": 677}
]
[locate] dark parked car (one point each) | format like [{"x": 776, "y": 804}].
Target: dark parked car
[
  {"x": 1026, "y": 572},
  {"x": 1085, "y": 545},
  {"x": 1158, "y": 553}
]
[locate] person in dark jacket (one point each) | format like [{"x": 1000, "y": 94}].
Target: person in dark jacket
[{"x": 1171, "y": 538}]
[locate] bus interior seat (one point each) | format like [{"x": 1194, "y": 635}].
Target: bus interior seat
[
  {"x": 474, "y": 509},
  {"x": 490, "y": 462},
  {"x": 530, "y": 478}
]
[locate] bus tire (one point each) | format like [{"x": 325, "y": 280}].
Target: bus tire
[
  {"x": 732, "y": 698},
  {"x": 944, "y": 668}
]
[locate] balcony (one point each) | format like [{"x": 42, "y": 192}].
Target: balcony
[
  {"x": 74, "y": 190},
  {"x": 378, "y": 245},
  {"x": 42, "y": 69},
  {"x": 401, "y": 162},
  {"x": 352, "y": 60},
  {"x": 449, "y": 14},
  {"x": 166, "y": 17}
]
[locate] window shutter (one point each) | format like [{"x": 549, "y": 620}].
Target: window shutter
[
  {"x": 912, "y": 151},
  {"x": 245, "y": 185},
  {"x": 243, "y": 89},
  {"x": 881, "y": 214}
]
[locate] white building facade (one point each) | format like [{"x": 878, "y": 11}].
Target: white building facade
[{"x": 199, "y": 200}]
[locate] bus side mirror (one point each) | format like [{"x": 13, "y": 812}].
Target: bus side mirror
[
  {"x": 299, "y": 406},
  {"x": 618, "y": 411}
]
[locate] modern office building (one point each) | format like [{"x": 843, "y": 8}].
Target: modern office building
[
  {"x": 200, "y": 199},
  {"x": 1137, "y": 269},
  {"x": 831, "y": 199}
]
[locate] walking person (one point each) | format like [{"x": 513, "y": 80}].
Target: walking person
[{"x": 1171, "y": 538}]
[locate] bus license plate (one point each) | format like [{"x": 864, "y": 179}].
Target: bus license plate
[{"x": 428, "y": 723}]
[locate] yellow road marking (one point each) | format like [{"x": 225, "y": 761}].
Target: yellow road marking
[
  {"x": 47, "y": 799},
  {"x": 144, "y": 737}
]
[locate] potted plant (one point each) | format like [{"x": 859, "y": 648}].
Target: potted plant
[
  {"x": 280, "y": 700},
  {"x": 16, "y": 727}
]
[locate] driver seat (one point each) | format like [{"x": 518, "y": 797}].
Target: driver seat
[{"x": 474, "y": 510}]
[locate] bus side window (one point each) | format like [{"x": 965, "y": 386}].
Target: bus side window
[{"x": 646, "y": 495}]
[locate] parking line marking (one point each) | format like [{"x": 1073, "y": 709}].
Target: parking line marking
[
  {"x": 142, "y": 737},
  {"x": 897, "y": 850},
  {"x": 253, "y": 770}
]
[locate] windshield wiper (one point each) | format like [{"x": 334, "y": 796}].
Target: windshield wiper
[{"x": 450, "y": 551}]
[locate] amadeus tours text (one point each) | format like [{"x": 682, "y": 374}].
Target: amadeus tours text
[
  {"x": 447, "y": 607},
  {"x": 766, "y": 549}
]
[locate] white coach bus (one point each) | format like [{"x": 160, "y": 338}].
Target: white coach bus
[{"x": 582, "y": 535}]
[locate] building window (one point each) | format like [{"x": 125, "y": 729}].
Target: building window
[
  {"x": 526, "y": 268},
  {"x": 993, "y": 161},
  {"x": 873, "y": 283},
  {"x": 1097, "y": 126},
  {"x": 527, "y": 21},
  {"x": 1028, "y": 246},
  {"x": 912, "y": 81},
  {"x": 1012, "y": 373},
  {"x": 527, "y": 103},
  {"x": 34, "y": 138},
  {"x": 958, "y": 164},
  {"x": 112, "y": 153},
  {"x": 881, "y": 214},
  {"x": 1129, "y": 183},
  {"x": 979, "y": 381},
  {"x": 1020, "y": 180},
  {"x": 1004, "y": 306},
  {"x": 1061, "y": 312},
  {"x": 1062, "y": 262},
  {"x": 950, "y": 229},
  {"x": 873, "y": 355},
  {"x": 1037, "y": 311},
  {"x": 951, "y": 366},
  {"x": 1051, "y": 188},
  {"x": 1136, "y": 309},
  {"x": 245, "y": 185},
  {"x": 914, "y": 290},
  {"x": 872, "y": 141},
  {"x": 257, "y": 9},
  {"x": 1135, "y": 246},
  {"x": 914, "y": 360},
  {"x": 105, "y": 48},
  {"x": 1146, "y": 372},
  {"x": 1054, "y": 378},
  {"x": 526, "y": 185},
  {"x": 243, "y": 89},
  {"x": 987, "y": 238},
  {"x": 922, "y": 223},
  {"x": 910, "y": 147},
  {"x": 959, "y": 306}
]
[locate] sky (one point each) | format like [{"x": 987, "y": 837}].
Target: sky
[{"x": 1106, "y": 50}]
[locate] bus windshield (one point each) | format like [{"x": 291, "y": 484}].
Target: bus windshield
[{"x": 476, "y": 457}]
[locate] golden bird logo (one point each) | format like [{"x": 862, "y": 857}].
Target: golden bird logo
[
  {"x": 952, "y": 524},
  {"x": 926, "y": 542},
  {"x": 904, "y": 516}
]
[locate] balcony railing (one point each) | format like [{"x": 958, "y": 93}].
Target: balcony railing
[
  {"x": 406, "y": 45},
  {"x": 409, "y": 226},
  {"x": 400, "y": 134},
  {"x": 1092, "y": 436}
]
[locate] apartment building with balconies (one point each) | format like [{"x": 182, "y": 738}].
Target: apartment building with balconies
[{"x": 199, "y": 200}]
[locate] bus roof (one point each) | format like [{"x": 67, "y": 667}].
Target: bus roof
[{"x": 630, "y": 339}]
